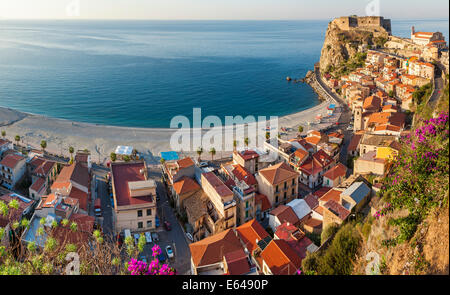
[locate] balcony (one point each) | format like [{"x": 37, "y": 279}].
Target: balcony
[{"x": 229, "y": 217}]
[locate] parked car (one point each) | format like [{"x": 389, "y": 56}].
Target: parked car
[
  {"x": 148, "y": 237},
  {"x": 98, "y": 207},
  {"x": 350, "y": 127},
  {"x": 169, "y": 252},
  {"x": 136, "y": 238},
  {"x": 189, "y": 236},
  {"x": 203, "y": 164},
  {"x": 155, "y": 237},
  {"x": 167, "y": 225},
  {"x": 157, "y": 221}
]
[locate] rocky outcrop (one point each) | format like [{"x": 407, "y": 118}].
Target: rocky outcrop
[{"x": 343, "y": 41}]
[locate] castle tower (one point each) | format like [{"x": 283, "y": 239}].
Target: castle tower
[
  {"x": 358, "y": 119},
  {"x": 413, "y": 31}
]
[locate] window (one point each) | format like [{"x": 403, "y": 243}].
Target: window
[
  {"x": 276, "y": 199},
  {"x": 140, "y": 224},
  {"x": 139, "y": 213},
  {"x": 276, "y": 189},
  {"x": 293, "y": 191},
  {"x": 149, "y": 212},
  {"x": 285, "y": 185},
  {"x": 285, "y": 195},
  {"x": 293, "y": 181},
  {"x": 246, "y": 214},
  {"x": 149, "y": 223},
  {"x": 246, "y": 204}
]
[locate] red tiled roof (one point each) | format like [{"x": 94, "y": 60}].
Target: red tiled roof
[
  {"x": 248, "y": 155},
  {"x": 212, "y": 249},
  {"x": 337, "y": 209},
  {"x": 243, "y": 174},
  {"x": 186, "y": 185},
  {"x": 278, "y": 173},
  {"x": 312, "y": 201},
  {"x": 122, "y": 173},
  {"x": 265, "y": 203},
  {"x": 314, "y": 165},
  {"x": 251, "y": 231},
  {"x": 186, "y": 162},
  {"x": 280, "y": 258},
  {"x": 372, "y": 103},
  {"x": 285, "y": 214},
  {"x": 337, "y": 171},
  {"x": 14, "y": 215},
  {"x": 237, "y": 262},
  {"x": 321, "y": 191},
  {"x": 81, "y": 196},
  {"x": 332, "y": 194},
  {"x": 221, "y": 189},
  {"x": 11, "y": 160},
  {"x": 38, "y": 184},
  {"x": 354, "y": 142},
  {"x": 45, "y": 168}
]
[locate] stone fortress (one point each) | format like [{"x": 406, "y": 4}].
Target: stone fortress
[{"x": 364, "y": 23}]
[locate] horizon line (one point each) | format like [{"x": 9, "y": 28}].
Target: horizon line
[{"x": 155, "y": 19}]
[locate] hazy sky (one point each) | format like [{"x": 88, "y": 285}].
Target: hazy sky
[{"x": 220, "y": 9}]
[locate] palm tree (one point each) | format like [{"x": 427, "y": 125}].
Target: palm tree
[
  {"x": 3, "y": 134},
  {"x": 234, "y": 145},
  {"x": 246, "y": 141},
  {"x": 267, "y": 135},
  {"x": 43, "y": 145},
  {"x": 113, "y": 157},
  {"x": 199, "y": 152},
  {"x": 300, "y": 129},
  {"x": 212, "y": 151},
  {"x": 162, "y": 161},
  {"x": 71, "y": 151},
  {"x": 17, "y": 139}
]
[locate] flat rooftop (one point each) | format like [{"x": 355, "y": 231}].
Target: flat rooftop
[{"x": 122, "y": 174}]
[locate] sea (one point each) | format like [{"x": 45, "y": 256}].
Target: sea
[{"x": 144, "y": 73}]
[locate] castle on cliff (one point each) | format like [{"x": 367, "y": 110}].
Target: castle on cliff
[{"x": 366, "y": 23}]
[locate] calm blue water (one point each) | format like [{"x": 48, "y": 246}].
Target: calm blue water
[{"x": 142, "y": 73}]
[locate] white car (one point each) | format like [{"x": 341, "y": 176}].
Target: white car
[
  {"x": 350, "y": 127},
  {"x": 169, "y": 252},
  {"x": 148, "y": 237},
  {"x": 189, "y": 236}
]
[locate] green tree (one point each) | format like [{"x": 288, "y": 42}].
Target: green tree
[
  {"x": 300, "y": 129},
  {"x": 162, "y": 161},
  {"x": 113, "y": 157},
  {"x": 17, "y": 139},
  {"x": 234, "y": 145},
  {"x": 212, "y": 151},
  {"x": 43, "y": 145},
  {"x": 3, "y": 134},
  {"x": 267, "y": 135},
  {"x": 391, "y": 93},
  {"x": 246, "y": 142},
  {"x": 199, "y": 153}
]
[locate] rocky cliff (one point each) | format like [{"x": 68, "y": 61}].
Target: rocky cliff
[{"x": 342, "y": 43}]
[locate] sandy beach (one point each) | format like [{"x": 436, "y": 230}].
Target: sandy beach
[{"x": 102, "y": 140}]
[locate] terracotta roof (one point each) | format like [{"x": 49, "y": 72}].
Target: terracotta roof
[
  {"x": 372, "y": 102},
  {"x": 387, "y": 127},
  {"x": 285, "y": 214},
  {"x": 332, "y": 194},
  {"x": 312, "y": 201},
  {"x": 11, "y": 160},
  {"x": 38, "y": 184},
  {"x": 314, "y": 223},
  {"x": 45, "y": 168},
  {"x": 77, "y": 172},
  {"x": 280, "y": 258},
  {"x": 264, "y": 201},
  {"x": 212, "y": 249},
  {"x": 243, "y": 174},
  {"x": 220, "y": 188},
  {"x": 81, "y": 196},
  {"x": 237, "y": 262},
  {"x": 321, "y": 191},
  {"x": 122, "y": 173},
  {"x": 314, "y": 165},
  {"x": 301, "y": 154},
  {"x": 251, "y": 231},
  {"x": 248, "y": 155},
  {"x": 337, "y": 171},
  {"x": 14, "y": 215},
  {"x": 186, "y": 185},
  {"x": 337, "y": 209},
  {"x": 313, "y": 140},
  {"x": 354, "y": 142},
  {"x": 186, "y": 162},
  {"x": 278, "y": 173}
]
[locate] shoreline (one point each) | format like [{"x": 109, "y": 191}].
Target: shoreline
[{"x": 101, "y": 140}]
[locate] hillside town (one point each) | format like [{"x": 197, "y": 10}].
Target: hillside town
[{"x": 262, "y": 211}]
